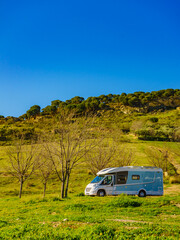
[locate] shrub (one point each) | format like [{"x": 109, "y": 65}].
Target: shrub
[
  {"x": 3, "y": 223},
  {"x": 154, "y": 119},
  {"x": 81, "y": 194},
  {"x": 56, "y": 199},
  {"x": 124, "y": 201},
  {"x": 79, "y": 206},
  {"x": 151, "y": 135}
]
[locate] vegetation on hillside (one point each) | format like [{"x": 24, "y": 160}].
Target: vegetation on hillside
[
  {"x": 97, "y": 133},
  {"x": 163, "y": 100},
  {"x": 149, "y": 116}
]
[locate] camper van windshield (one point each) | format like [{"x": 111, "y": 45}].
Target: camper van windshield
[{"x": 97, "y": 179}]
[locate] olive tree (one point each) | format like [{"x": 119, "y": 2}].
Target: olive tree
[{"x": 33, "y": 111}]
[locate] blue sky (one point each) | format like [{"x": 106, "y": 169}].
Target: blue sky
[{"x": 59, "y": 49}]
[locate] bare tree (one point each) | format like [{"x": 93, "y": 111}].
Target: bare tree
[
  {"x": 22, "y": 161},
  {"x": 175, "y": 162},
  {"x": 45, "y": 170},
  {"x": 158, "y": 157},
  {"x": 124, "y": 156},
  {"x": 108, "y": 154},
  {"x": 67, "y": 148},
  {"x": 101, "y": 157}
]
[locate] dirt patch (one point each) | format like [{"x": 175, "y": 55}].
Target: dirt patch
[
  {"x": 167, "y": 217},
  {"x": 173, "y": 189},
  {"x": 133, "y": 227},
  {"x": 127, "y": 221},
  {"x": 56, "y": 224},
  {"x": 70, "y": 224}
]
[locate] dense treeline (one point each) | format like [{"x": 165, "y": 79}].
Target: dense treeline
[
  {"x": 118, "y": 111},
  {"x": 163, "y": 99},
  {"x": 149, "y": 101}
]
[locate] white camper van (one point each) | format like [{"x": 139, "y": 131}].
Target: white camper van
[{"x": 131, "y": 180}]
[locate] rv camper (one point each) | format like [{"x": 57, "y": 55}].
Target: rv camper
[{"x": 131, "y": 180}]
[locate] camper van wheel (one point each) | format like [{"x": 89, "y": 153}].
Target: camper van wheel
[
  {"x": 142, "y": 193},
  {"x": 101, "y": 193}
]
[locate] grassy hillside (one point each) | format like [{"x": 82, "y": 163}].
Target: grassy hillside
[
  {"x": 136, "y": 132},
  {"x": 137, "y": 129},
  {"x": 151, "y": 116}
]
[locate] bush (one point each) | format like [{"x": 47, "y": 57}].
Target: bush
[
  {"x": 56, "y": 199},
  {"x": 125, "y": 201},
  {"x": 151, "y": 135},
  {"x": 79, "y": 206},
  {"x": 154, "y": 119},
  {"x": 80, "y": 194}
]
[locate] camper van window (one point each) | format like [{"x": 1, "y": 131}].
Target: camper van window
[
  {"x": 122, "y": 177},
  {"x": 107, "y": 180},
  {"x": 135, "y": 177},
  {"x": 97, "y": 179}
]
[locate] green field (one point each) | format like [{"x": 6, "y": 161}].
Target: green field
[{"x": 81, "y": 217}]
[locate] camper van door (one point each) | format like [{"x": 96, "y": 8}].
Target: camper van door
[{"x": 108, "y": 185}]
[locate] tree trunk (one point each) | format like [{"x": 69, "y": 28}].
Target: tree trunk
[
  {"x": 20, "y": 190},
  {"x": 166, "y": 159},
  {"x": 67, "y": 185},
  {"x": 62, "y": 189},
  {"x": 44, "y": 192}
]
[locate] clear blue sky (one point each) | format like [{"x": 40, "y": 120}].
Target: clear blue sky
[{"x": 58, "y": 49}]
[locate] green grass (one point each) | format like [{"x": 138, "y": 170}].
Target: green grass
[{"x": 122, "y": 217}]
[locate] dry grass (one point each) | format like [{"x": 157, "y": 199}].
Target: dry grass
[{"x": 172, "y": 189}]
